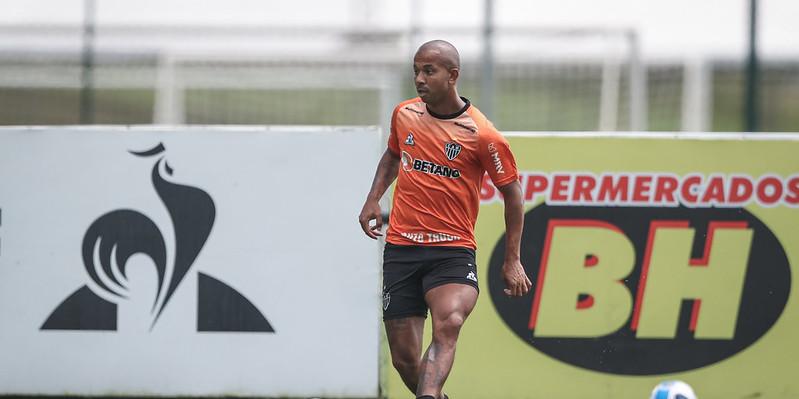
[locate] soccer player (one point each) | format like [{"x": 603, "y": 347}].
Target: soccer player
[{"x": 439, "y": 149}]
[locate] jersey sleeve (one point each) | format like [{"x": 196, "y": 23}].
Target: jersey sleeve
[
  {"x": 496, "y": 157},
  {"x": 393, "y": 143}
]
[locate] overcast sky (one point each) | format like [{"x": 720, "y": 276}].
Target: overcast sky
[{"x": 667, "y": 28}]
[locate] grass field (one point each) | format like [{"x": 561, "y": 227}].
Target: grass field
[{"x": 535, "y": 104}]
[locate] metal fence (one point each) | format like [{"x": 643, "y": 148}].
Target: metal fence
[{"x": 542, "y": 79}]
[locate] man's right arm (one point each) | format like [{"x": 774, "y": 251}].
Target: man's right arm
[{"x": 386, "y": 172}]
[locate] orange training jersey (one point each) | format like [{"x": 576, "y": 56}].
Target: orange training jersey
[{"x": 442, "y": 163}]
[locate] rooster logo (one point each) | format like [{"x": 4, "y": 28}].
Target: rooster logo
[{"x": 116, "y": 236}]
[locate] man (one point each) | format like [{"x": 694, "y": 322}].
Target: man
[{"x": 439, "y": 149}]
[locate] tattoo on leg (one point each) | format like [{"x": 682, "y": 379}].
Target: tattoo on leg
[{"x": 435, "y": 368}]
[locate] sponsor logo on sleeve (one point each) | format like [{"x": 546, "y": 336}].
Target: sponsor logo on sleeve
[{"x": 492, "y": 149}]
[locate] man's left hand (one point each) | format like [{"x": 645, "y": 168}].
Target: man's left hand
[{"x": 516, "y": 280}]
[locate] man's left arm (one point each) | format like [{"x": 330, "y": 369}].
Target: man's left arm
[{"x": 516, "y": 279}]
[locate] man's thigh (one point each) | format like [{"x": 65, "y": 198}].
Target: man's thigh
[
  {"x": 403, "y": 294},
  {"x": 450, "y": 284},
  {"x": 405, "y": 337},
  {"x": 450, "y": 265}
]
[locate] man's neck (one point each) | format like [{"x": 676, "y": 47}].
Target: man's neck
[{"x": 450, "y": 105}]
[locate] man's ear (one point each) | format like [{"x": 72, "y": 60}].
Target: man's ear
[{"x": 454, "y": 73}]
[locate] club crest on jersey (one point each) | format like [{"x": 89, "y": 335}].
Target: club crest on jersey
[
  {"x": 452, "y": 149},
  {"x": 409, "y": 140}
]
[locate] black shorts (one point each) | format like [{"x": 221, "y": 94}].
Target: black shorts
[{"x": 410, "y": 271}]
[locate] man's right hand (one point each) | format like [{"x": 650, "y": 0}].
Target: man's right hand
[
  {"x": 386, "y": 173},
  {"x": 371, "y": 211}
]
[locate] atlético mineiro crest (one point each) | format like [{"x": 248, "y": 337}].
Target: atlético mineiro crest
[
  {"x": 409, "y": 140},
  {"x": 452, "y": 149}
]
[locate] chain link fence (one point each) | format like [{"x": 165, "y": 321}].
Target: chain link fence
[{"x": 553, "y": 80}]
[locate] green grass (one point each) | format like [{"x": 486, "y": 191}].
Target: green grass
[
  {"x": 62, "y": 106},
  {"x": 546, "y": 102},
  {"x": 779, "y": 101},
  {"x": 275, "y": 107}
]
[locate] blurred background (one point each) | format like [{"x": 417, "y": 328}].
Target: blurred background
[{"x": 569, "y": 65}]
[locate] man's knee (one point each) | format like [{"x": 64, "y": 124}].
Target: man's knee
[
  {"x": 448, "y": 327},
  {"x": 406, "y": 365}
]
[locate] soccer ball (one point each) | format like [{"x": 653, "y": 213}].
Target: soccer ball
[{"x": 673, "y": 390}]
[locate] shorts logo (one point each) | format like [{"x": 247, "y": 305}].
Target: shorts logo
[
  {"x": 452, "y": 149},
  {"x": 386, "y": 300},
  {"x": 471, "y": 276},
  {"x": 409, "y": 140}
]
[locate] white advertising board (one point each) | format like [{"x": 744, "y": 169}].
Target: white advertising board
[{"x": 188, "y": 261}]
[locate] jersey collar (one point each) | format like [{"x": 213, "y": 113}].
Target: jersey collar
[{"x": 451, "y": 116}]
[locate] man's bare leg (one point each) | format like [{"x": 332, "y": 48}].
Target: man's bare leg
[
  {"x": 450, "y": 305},
  {"x": 405, "y": 341}
]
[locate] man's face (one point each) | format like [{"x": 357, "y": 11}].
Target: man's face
[{"x": 433, "y": 79}]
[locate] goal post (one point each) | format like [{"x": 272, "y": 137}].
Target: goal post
[{"x": 553, "y": 79}]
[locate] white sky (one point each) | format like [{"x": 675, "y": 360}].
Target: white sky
[{"x": 667, "y": 28}]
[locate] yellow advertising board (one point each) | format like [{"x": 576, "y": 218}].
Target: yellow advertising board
[{"x": 653, "y": 258}]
